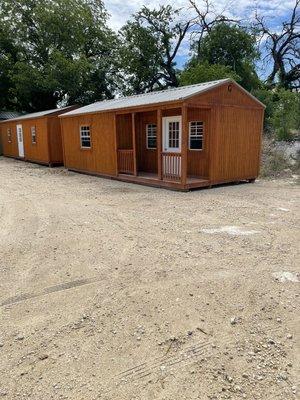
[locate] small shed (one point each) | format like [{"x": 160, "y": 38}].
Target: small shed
[
  {"x": 34, "y": 137},
  {"x": 182, "y": 138}
]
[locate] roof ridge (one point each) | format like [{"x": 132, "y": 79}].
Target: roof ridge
[{"x": 161, "y": 91}]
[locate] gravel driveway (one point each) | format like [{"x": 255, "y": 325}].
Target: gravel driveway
[{"x": 117, "y": 291}]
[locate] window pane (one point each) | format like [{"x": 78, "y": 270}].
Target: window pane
[
  {"x": 196, "y": 135},
  {"x": 85, "y": 138}
]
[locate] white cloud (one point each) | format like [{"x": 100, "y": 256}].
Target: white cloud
[{"x": 121, "y": 10}]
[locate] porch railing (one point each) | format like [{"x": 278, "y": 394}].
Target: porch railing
[
  {"x": 171, "y": 166},
  {"x": 126, "y": 161}
]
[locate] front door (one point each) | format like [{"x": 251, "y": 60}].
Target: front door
[
  {"x": 172, "y": 134},
  {"x": 20, "y": 140},
  {"x": 171, "y": 160}
]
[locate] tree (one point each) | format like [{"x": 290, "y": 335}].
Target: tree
[
  {"x": 232, "y": 46},
  {"x": 197, "y": 73},
  {"x": 205, "y": 20},
  {"x": 150, "y": 44},
  {"x": 64, "y": 52},
  {"x": 140, "y": 59},
  {"x": 283, "y": 49}
]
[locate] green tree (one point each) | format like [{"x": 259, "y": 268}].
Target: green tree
[
  {"x": 285, "y": 116},
  {"x": 197, "y": 73},
  {"x": 150, "y": 44},
  {"x": 64, "y": 52},
  {"x": 233, "y": 46}
]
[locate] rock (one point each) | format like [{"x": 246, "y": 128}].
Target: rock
[
  {"x": 1, "y": 344},
  {"x": 233, "y": 320},
  {"x": 289, "y": 336},
  {"x": 43, "y": 356},
  {"x": 20, "y": 337}
]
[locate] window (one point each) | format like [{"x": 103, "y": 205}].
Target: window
[
  {"x": 85, "y": 137},
  {"x": 174, "y": 134},
  {"x": 151, "y": 136},
  {"x": 196, "y": 135},
  {"x": 33, "y": 135},
  {"x": 9, "y": 135}
]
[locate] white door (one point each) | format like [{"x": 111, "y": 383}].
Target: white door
[
  {"x": 172, "y": 134},
  {"x": 20, "y": 140},
  {"x": 171, "y": 163}
]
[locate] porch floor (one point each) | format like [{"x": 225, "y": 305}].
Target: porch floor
[{"x": 151, "y": 179}]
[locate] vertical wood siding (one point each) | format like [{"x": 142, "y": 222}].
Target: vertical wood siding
[
  {"x": 101, "y": 158},
  {"x": 236, "y": 145},
  {"x": 9, "y": 149},
  {"x": 198, "y": 161},
  {"x": 38, "y": 152},
  {"x": 55, "y": 140}
]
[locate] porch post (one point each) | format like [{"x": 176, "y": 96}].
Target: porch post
[
  {"x": 134, "y": 144},
  {"x": 159, "y": 143},
  {"x": 116, "y": 143},
  {"x": 184, "y": 144}
]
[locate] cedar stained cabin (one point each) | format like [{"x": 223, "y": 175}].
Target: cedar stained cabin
[
  {"x": 183, "y": 138},
  {"x": 34, "y": 137}
]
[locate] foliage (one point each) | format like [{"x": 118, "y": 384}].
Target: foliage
[
  {"x": 285, "y": 117},
  {"x": 149, "y": 45},
  {"x": 282, "y": 113},
  {"x": 274, "y": 162},
  {"x": 233, "y": 46},
  {"x": 63, "y": 52},
  {"x": 197, "y": 73}
]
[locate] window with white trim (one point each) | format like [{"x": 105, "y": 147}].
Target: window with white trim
[
  {"x": 196, "y": 131},
  {"x": 9, "y": 138},
  {"x": 85, "y": 137},
  {"x": 33, "y": 135},
  {"x": 151, "y": 131}
]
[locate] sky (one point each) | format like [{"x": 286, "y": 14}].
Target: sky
[{"x": 275, "y": 11}]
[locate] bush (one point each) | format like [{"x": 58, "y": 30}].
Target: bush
[{"x": 274, "y": 162}]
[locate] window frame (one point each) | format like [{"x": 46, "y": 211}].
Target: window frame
[
  {"x": 33, "y": 128},
  {"x": 153, "y": 136},
  {"x": 81, "y": 137},
  {"x": 9, "y": 135},
  {"x": 200, "y": 135}
]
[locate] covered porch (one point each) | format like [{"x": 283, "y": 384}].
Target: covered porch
[{"x": 165, "y": 147}]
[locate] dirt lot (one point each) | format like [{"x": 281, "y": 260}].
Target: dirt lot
[{"x": 117, "y": 291}]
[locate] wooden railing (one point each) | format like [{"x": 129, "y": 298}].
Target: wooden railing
[
  {"x": 171, "y": 166},
  {"x": 126, "y": 161}
]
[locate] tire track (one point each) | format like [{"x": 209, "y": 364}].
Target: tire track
[{"x": 206, "y": 348}]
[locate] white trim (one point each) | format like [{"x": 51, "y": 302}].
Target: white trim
[
  {"x": 153, "y": 136},
  {"x": 201, "y": 135},
  {"x": 20, "y": 139},
  {"x": 166, "y": 120},
  {"x": 33, "y": 134},
  {"x": 82, "y": 137}
]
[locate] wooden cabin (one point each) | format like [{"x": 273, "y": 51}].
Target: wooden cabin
[
  {"x": 34, "y": 137},
  {"x": 183, "y": 138}
]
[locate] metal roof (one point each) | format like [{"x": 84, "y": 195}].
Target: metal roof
[
  {"x": 9, "y": 115},
  {"x": 37, "y": 114},
  {"x": 163, "y": 96}
]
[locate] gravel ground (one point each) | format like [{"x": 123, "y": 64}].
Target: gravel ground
[{"x": 116, "y": 291}]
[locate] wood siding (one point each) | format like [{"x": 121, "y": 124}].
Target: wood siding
[
  {"x": 38, "y": 152},
  {"x": 198, "y": 160},
  {"x": 55, "y": 140},
  {"x": 48, "y": 146},
  {"x": 9, "y": 149},
  {"x": 146, "y": 158},
  {"x": 102, "y": 157},
  {"x": 236, "y": 144}
]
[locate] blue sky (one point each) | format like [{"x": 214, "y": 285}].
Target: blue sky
[{"x": 275, "y": 12}]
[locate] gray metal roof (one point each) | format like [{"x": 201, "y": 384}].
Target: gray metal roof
[
  {"x": 9, "y": 115},
  {"x": 37, "y": 114},
  {"x": 163, "y": 96}
]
